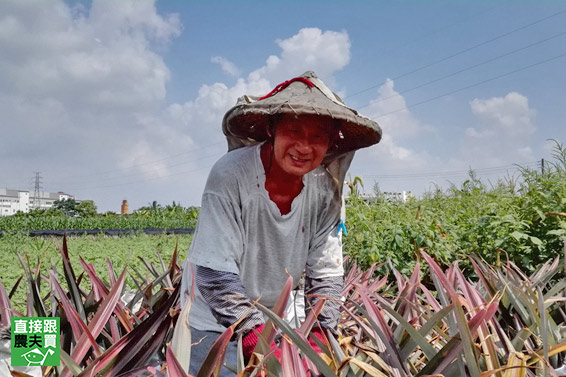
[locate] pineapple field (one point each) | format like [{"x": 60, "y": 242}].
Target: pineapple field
[{"x": 465, "y": 281}]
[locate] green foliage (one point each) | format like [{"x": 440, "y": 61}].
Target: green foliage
[
  {"x": 83, "y": 216},
  {"x": 524, "y": 219},
  {"x": 86, "y": 208},
  {"x": 67, "y": 206}
]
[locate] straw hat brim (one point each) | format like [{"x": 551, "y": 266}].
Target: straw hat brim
[{"x": 250, "y": 118}]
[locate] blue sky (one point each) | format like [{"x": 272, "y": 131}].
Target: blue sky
[{"x": 123, "y": 100}]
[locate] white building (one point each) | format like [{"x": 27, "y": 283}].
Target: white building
[{"x": 12, "y": 201}]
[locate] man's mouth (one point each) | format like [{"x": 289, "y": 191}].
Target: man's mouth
[{"x": 295, "y": 158}]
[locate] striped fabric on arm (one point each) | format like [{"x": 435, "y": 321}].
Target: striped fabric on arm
[
  {"x": 331, "y": 289},
  {"x": 225, "y": 294}
]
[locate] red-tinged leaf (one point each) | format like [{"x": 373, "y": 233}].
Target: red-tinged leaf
[
  {"x": 100, "y": 319},
  {"x": 5, "y": 306},
  {"x": 291, "y": 363},
  {"x": 401, "y": 282},
  {"x": 353, "y": 274},
  {"x": 174, "y": 368},
  {"x": 166, "y": 280},
  {"x": 310, "y": 319},
  {"x": 451, "y": 350},
  {"x": 77, "y": 325},
  {"x": 114, "y": 330},
  {"x": 365, "y": 327},
  {"x": 470, "y": 292},
  {"x": 430, "y": 299},
  {"x": 142, "y": 352},
  {"x": 269, "y": 331},
  {"x": 34, "y": 299},
  {"x": 140, "y": 335},
  {"x": 15, "y": 287},
  {"x": 440, "y": 275},
  {"x": 111, "y": 272},
  {"x": 377, "y": 284},
  {"x": 383, "y": 331},
  {"x": 375, "y": 315},
  {"x": 212, "y": 364},
  {"x": 173, "y": 268},
  {"x": 100, "y": 290},
  {"x": 29, "y": 306},
  {"x": 406, "y": 297},
  {"x": 71, "y": 279},
  {"x": 299, "y": 340}
]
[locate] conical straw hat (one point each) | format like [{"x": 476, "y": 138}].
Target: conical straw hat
[{"x": 249, "y": 119}]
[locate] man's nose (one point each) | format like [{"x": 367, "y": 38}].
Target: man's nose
[{"x": 303, "y": 146}]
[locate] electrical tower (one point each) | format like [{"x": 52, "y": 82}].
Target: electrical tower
[{"x": 36, "y": 192}]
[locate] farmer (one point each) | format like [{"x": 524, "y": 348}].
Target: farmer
[{"x": 272, "y": 208}]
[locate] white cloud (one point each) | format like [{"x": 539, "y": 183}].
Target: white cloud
[
  {"x": 399, "y": 126},
  {"x": 503, "y": 133},
  {"x": 390, "y": 110},
  {"x": 227, "y": 66},
  {"x": 509, "y": 115},
  {"x": 310, "y": 49},
  {"x": 313, "y": 49},
  {"x": 75, "y": 84}
]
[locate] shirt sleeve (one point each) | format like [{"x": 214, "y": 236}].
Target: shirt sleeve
[
  {"x": 225, "y": 294},
  {"x": 324, "y": 273},
  {"x": 218, "y": 240},
  {"x": 325, "y": 253},
  {"x": 329, "y": 288}
]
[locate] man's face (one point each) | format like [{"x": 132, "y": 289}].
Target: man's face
[{"x": 300, "y": 144}]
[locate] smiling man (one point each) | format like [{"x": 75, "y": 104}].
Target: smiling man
[{"x": 272, "y": 208}]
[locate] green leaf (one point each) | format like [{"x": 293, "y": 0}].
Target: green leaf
[
  {"x": 71, "y": 365},
  {"x": 518, "y": 235},
  {"x": 536, "y": 240}
]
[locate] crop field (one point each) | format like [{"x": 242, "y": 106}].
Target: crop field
[{"x": 122, "y": 251}]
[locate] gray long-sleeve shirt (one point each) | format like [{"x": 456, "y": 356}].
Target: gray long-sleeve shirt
[{"x": 242, "y": 232}]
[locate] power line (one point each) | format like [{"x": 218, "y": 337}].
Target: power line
[
  {"x": 468, "y": 86},
  {"x": 469, "y": 16},
  {"x": 466, "y": 69},
  {"x": 459, "y": 52},
  {"x": 453, "y": 173},
  {"x": 141, "y": 164},
  {"x": 144, "y": 179}
]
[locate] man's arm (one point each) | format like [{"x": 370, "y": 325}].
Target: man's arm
[
  {"x": 329, "y": 288},
  {"x": 225, "y": 294}
]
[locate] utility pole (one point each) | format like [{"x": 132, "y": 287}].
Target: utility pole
[
  {"x": 36, "y": 192},
  {"x": 542, "y": 165}
]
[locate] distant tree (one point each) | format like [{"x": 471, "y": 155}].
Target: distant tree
[
  {"x": 68, "y": 206},
  {"x": 86, "y": 208}
]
